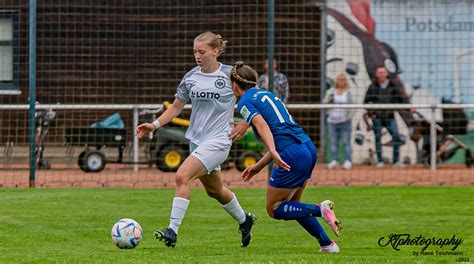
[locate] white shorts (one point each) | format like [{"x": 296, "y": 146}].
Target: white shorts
[{"x": 211, "y": 154}]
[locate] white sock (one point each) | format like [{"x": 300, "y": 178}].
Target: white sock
[
  {"x": 180, "y": 205},
  {"x": 234, "y": 209}
]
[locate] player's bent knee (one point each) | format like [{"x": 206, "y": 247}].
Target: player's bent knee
[
  {"x": 181, "y": 179},
  {"x": 270, "y": 213},
  {"x": 270, "y": 210}
]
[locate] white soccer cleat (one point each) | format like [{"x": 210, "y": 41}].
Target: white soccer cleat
[
  {"x": 328, "y": 215},
  {"x": 347, "y": 165},
  {"x": 333, "y": 164},
  {"x": 333, "y": 248}
]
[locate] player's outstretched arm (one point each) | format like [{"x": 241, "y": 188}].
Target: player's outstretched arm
[
  {"x": 239, "y": 130},
  {"x": 173, "y": 111},
  {"x": 253, "y": 170},
  {"x": 267, "y": 137}
]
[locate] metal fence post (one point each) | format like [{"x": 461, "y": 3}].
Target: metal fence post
[
  {"x": 271, "y": 43},
  {"x": 433, "y": 138},
  {"x": 271, "y": 55},
  {"x": 32, "y": 89},
  {"x": 135, "y": 138},
  {"x": 322, "y": 88}
]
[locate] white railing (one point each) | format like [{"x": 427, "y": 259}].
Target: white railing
[{"x": 137, "y": 107}]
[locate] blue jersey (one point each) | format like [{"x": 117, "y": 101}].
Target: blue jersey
[{"x": 284, "y": 128}]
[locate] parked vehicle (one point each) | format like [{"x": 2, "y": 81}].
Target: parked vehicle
[{"x": 166, "y": 148}]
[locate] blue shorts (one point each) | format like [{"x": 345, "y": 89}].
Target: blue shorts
[{"x": 302, "y": 159}]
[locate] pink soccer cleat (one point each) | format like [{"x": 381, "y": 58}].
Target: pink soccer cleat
[
  {"x": 328, "y": 215},
  {"x": 333, "y": 248}
]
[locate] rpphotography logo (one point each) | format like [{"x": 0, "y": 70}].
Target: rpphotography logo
[{"x": 425, "y": 246}]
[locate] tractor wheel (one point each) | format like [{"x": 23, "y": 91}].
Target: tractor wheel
[
  {"x": 93, "y": 161},
  {"x": 170, "y": 158},
  {"x": 80, "y": 161},
  {"x": 246, "y": 159}
]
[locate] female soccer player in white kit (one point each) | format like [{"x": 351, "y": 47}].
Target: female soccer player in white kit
[{"x": 208, "y": 88}]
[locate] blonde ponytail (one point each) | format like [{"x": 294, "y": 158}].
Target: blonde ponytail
[{"x": 212, "y": 40}]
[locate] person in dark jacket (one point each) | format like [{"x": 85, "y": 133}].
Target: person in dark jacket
[{"x": 384, "y": 91}]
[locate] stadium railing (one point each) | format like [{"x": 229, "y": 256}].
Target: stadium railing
[{"x": 135, "y": 108}]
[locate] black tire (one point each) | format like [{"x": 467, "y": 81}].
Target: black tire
[
  {"x": 80, "y": 161},
  {"x": 170, "y": 157},
  {"x": 94, "y": 161},
  {"x": 246, "y": 159}
]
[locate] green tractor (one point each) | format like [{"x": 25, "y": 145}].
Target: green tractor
[
  {"x": 172, "y": 147},
  {"x": 246, "y": 151}
]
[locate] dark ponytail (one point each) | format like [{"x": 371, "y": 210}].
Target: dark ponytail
[{"x": 243, "y": 75}]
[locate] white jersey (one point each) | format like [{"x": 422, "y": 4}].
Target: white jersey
[{"x": 212, "y": 102}]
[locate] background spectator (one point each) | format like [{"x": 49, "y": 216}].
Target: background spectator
[
  {"x": 280, "y": 82},
  {"x": 339, "y": 121},
  {"x": 384, "y": 91}
]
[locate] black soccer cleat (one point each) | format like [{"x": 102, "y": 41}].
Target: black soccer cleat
[
  {"x": 245, "y": 229},
  {"x": 168, "y": 236}
]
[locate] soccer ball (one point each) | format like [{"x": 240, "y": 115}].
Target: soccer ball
[{"x": 126, "y": 233}]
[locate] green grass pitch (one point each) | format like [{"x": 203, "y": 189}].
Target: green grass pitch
[{"x": 73, "y": 226}]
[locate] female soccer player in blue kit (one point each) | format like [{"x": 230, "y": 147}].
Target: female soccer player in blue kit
[{"x": 293, "y": 153}]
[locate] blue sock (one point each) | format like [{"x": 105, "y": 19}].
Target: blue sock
[
  {"x": 296, "y": 210},
  {"x": 313, "y": 227}
]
